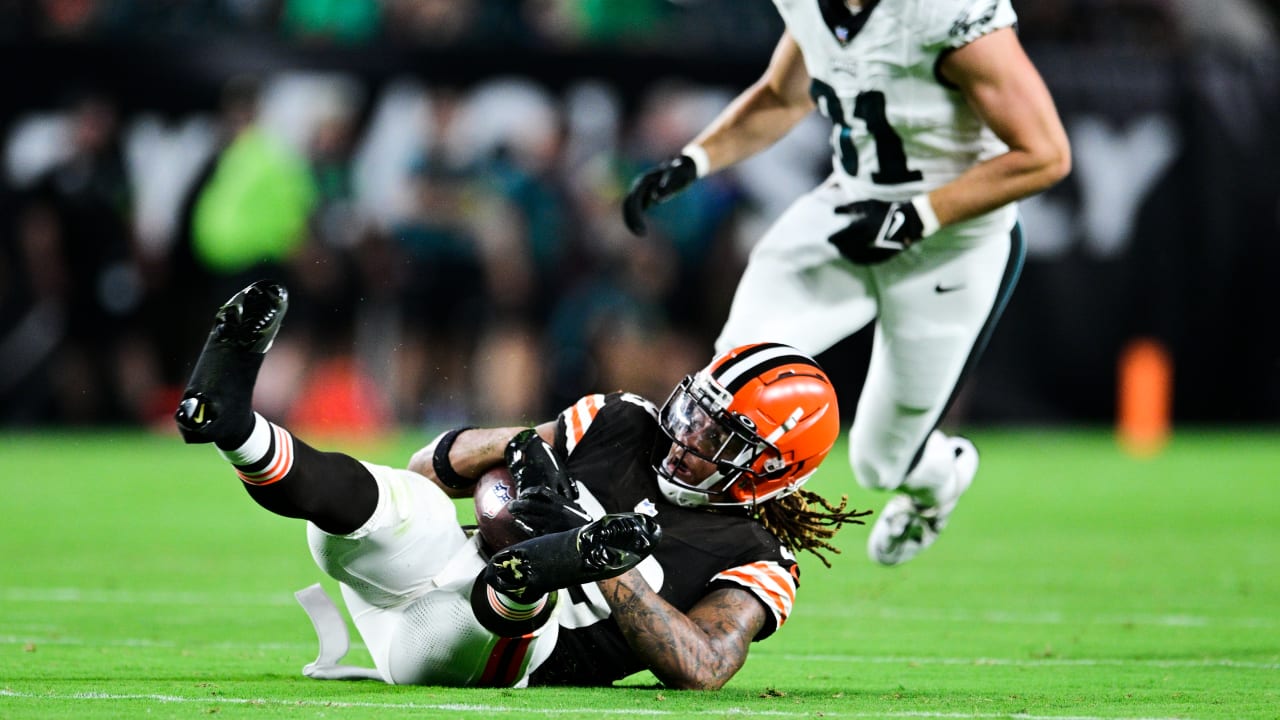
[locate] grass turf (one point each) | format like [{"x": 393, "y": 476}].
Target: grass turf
[{"x": 138, "y": 579}]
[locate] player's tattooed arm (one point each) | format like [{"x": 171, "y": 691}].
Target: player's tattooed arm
[{"x": 699, "y": 650}]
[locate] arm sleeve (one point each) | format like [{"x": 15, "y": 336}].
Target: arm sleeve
[
  {"x": 572, "y": 424},
  {"x": 773, "y": 583}
]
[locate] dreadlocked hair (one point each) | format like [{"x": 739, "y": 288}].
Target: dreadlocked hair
[{"x": 796, "y": 522}]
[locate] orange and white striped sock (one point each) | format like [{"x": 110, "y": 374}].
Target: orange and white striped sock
[
  {"x": 266, "y": 457},
  {"x": 508, "y": 608},
  {"x": 506, "y": 616}
]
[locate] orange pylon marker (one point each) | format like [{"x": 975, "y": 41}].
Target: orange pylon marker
[{"x": 1144, "y": 412}]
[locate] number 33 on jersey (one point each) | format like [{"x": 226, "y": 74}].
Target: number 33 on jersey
[{"x": 898, "y": 127}]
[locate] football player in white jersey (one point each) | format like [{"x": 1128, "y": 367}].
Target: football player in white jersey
[
  {"x": 940, "y": 124},
  {"x": 613, "y": 497}
]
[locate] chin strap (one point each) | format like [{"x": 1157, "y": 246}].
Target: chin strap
[{"x": 331, "y": 630}]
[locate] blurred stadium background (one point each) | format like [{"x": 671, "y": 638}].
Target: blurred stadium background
[{"x": 438, "y": 183}]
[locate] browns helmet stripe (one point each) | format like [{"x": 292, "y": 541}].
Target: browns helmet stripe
[{"x": 740, "y": 369}]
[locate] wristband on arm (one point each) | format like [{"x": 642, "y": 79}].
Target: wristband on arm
[
  {"x": 928, "y": 218},
  {"x": 698, "y": 154},
  {"x": 440, "y": 460}
]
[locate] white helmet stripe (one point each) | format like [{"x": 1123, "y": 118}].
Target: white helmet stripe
[
  {"x": 753, "y": 362},
  {"x": 785, "y": 427}
]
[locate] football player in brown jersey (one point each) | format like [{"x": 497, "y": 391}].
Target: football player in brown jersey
[{"x": 661, "y": 539}]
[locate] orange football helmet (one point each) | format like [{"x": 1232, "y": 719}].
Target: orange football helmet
[{"x": 765, "y": 414}]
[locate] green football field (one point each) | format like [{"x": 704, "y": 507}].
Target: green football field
[{"x": 138, "y": 580}]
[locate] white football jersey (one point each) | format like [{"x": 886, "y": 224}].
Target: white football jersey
[{"x": 898, "y": 128}]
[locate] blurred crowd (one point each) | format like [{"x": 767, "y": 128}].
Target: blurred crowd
[
  {"x": 694, "y": 26},
  {"x": 484, "y": 23},
  {"x": 453, "y": 253}
]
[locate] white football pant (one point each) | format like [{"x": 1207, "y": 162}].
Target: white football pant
[
  {"x": 406, "y": 577},
  {"x": 936, "y": 304}
]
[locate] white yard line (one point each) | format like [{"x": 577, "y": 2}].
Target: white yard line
[
  {"x": 481, "y": 709},
  {"x": 38, "y": 640},
  {"x": 1029, "y": 662},
  {"x": 1208, "y": 662},
  {"x": 1002, "y": 617},
  {"x": 150, "y": 597},
  {"x": 918, "y": 614}
]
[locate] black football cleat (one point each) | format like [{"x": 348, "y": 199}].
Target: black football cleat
[
  {"x": 596, "y": 551},
  {"x": 216, "y": 406}
]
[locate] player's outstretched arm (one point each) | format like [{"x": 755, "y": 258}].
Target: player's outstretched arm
[
  {"x": 757, "y": 118},
  {"x": 698, "y": 651},
  {"x": 468, "y": 454},
  {"x": 1003, "y": 87},
  {"x": 763, "y": 113}
]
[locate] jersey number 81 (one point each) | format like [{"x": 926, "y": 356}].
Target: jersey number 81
[{"x": 868, "y": 107}]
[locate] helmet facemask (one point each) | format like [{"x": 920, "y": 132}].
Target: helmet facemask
[
  {"x": 757, "y": 421},
  {"x": 697, "y": 420}
]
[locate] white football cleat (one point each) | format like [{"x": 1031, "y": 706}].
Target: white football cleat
[{"x": 910, "y": 523}]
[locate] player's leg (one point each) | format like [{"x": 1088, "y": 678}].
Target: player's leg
[
  {"x": 390, "y": 537},
  {"x": 412, "y": 583},
  {"x": 449, "y": 636},
  {"x": 506, "y": 630},
  {"x": 796, "y": 288},
  {"x": 407, "y": 576},
  {"x": 281, "y": 473},
  {"x": 436, "y": 610},
  {"x": 936, "y": 316}
]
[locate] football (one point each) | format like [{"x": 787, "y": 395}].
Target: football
[{"x": 497, "y": 528}]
